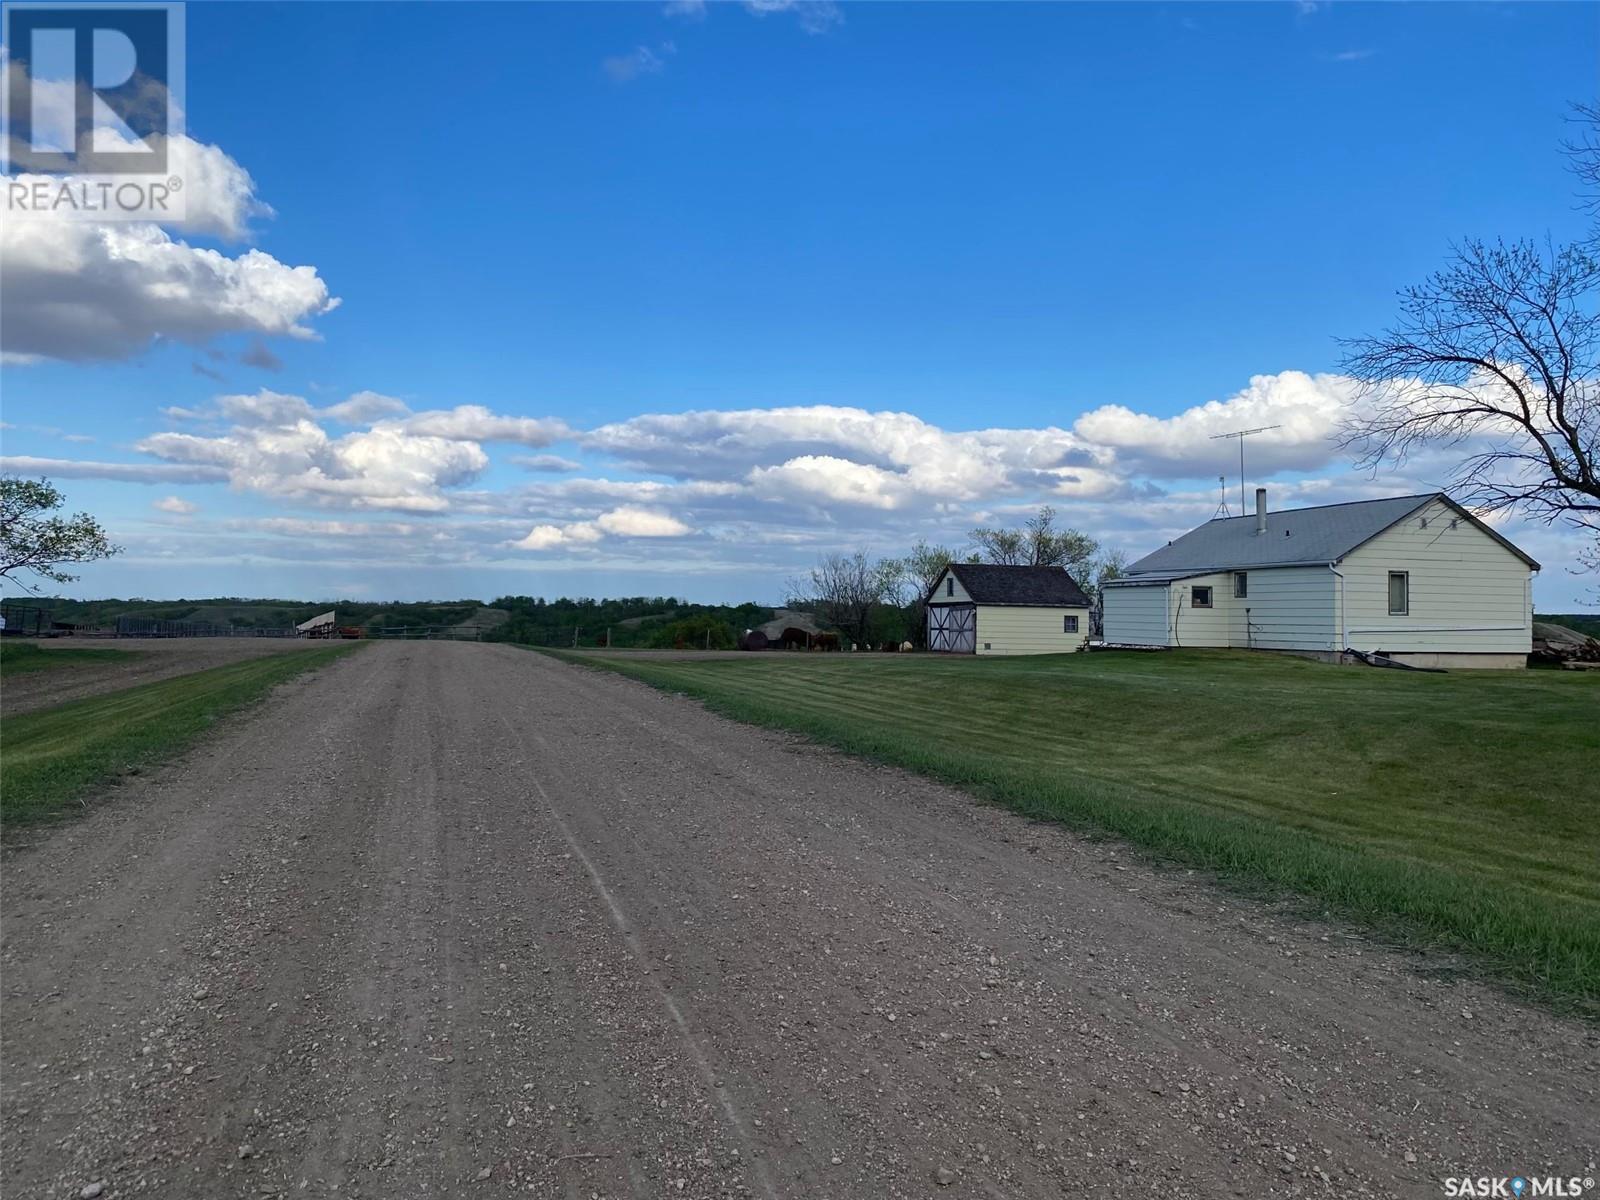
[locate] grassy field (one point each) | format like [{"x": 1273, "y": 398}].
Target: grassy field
[
  {"x": 1458, "y": 810},
  {"x": 18, "y": 657},
  {"x": 50, "y": 759}
]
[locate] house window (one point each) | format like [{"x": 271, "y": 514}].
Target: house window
[
  {"x": 1200, "y": 598},
  {"x": 1399, "y": 593},
  {"x": 1069, "y": 624},
  {"x": 1241, "y": 585},
  {"x": 949, "y": 585}
]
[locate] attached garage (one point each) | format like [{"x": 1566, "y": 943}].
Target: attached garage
[{"x": 980, "y": 608}]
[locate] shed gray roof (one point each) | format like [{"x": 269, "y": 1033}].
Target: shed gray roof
[
  {"x": 1036, "y": 587},
  {"x": 1294, "y": 537}
]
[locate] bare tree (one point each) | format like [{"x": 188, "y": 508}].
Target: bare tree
[
  {"x": 847, "y": 590},
  {"x": 31, "y": 540},
  {"x": 1497, "y": 354},
  {"x": 1583, "y": 153},
  {"x": 921, "y": 570},
  {"x": 1110, "y": 565},
  {"x": 1037, "y": 544}
]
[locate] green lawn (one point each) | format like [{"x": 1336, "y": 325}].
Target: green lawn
[
  {"x": 1460, "y": 810},
  {"x": 18, "y": 657},
  {"x": 50, "y": 759}
]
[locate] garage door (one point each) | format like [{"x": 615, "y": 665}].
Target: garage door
[{"x": 953, "y": 628}]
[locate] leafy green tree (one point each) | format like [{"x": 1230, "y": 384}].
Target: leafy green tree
[
  {"x": 33, "y": 540},
  {"x": 701, "y": 632}
]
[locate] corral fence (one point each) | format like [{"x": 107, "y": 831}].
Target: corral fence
[
  {"x": 26, "y": 620},
  {"x": 149, "y": 627},
  {"x": 427, "y": 633}
]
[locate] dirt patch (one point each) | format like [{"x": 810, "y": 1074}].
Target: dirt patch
[
  {"x": 154, "y": 658},
  {"x": 456, "y": 919}
]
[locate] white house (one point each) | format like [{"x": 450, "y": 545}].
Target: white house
[
  {"x": 1418, "y": 578},
  {"x": 980, "y": 608}
]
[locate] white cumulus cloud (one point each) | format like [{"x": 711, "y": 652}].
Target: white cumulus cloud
[
  {"x": 1307, "y": 409},
  {"x": 81, "y": 291},
  {"x": 474, "y": 423},
  {"x": 633, "y": 521},
  {"x": 295, "y": 458},
  {"x": 624, "y": 521}
]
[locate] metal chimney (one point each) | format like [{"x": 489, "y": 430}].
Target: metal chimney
[{"x": 1261, "y": 510}]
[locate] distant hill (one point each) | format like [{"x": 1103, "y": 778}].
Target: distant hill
[
  {"x": 262, "y": 614},
  {"x": 639, "y": 621},
  {"x": 653, "y": 622}
]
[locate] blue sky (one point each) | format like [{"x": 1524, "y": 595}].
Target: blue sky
[{"x": 759, "y": 277}]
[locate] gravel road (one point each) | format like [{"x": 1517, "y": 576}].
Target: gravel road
[
  {"x": 148, "y": 659},
  {"x": 456, "y": 920}
]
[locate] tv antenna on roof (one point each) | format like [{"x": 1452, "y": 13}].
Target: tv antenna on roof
[
  {"x": 1241, "y": 434},
  {"x": 1222, "y": 508}
]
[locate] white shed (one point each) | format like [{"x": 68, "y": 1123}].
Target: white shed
[
  {"x": 982, "y": 608},
  {"x": 1417, "y": 578}
]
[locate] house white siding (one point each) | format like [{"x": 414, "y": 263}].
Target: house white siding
[
  {"x": 1288, "y": 608},
  {"x": 1019, "y": 629},
  {"x": 1467, "y": 593},
  {"x": 1191, "y": 626},
  {"x": 1285, "y": 608},
  {"x": 1136, "y": 615}
]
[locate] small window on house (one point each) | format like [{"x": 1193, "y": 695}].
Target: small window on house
[
  {"x": 1069, "y": 624},
  {"x": 1241, "y": 585},
  {"x": 1200, "y": 597},
  {"x": 1399, "y": 593},
  {"x": 949, "y": 585}
]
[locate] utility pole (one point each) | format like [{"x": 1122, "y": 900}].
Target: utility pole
[
  {"x": 1241, "y": 434},
  {"x": 575, "y": 637}
]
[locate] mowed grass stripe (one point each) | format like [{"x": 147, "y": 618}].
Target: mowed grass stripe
[
  {"x": 1026, "y": 740},
  {"x": 50, "y": 759},
  {"x": 1458, "y": 810},
  {"x": 1029, "y": 738}
]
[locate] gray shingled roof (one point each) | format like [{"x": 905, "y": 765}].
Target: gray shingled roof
[
  {"x": 1040, "y": 587},
  {"x": 1297, "y": 536}
]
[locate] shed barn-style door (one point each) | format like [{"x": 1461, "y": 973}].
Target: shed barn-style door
[{"x": 953, "y": 628}]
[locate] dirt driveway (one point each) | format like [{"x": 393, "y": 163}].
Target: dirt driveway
[
  {"x": 457, "y": 920},
  {"x": 148, "y": 659}
]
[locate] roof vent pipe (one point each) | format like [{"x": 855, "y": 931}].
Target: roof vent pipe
[{"x": 1261, "y": 510}]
